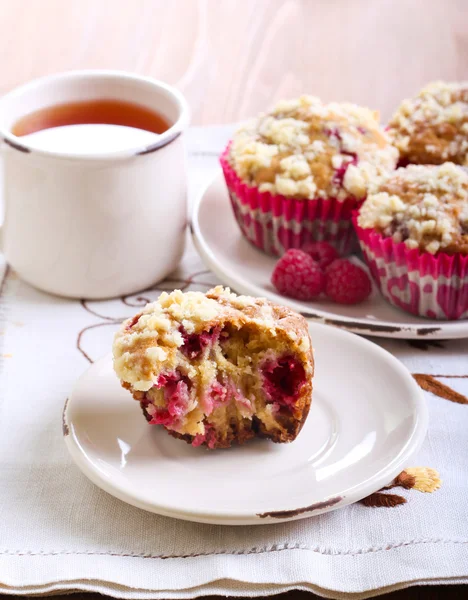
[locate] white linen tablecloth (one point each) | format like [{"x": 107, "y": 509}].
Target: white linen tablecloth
[{"x": 60, "y": 532}]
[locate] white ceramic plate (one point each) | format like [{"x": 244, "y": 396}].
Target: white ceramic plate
[
  {"x": 247, "y": 270},
  {"x": 367, "y": 419}
]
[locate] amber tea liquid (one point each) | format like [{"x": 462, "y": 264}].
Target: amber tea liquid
[{"x": 91, "y": 126}]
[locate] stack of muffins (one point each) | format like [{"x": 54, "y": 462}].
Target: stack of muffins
[{"x": 309, "y": 171}]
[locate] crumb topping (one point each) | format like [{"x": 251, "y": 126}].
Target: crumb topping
[
  {"x": 306, "y": 149},
  {"x": 425, "y": 207},
  {"x": 432, "y": 128},
  {"x": 152, "y": 338}
]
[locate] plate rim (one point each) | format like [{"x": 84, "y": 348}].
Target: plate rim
[
  {"x": 247, "y": 516},
  {"x": 385, "y": 329}
]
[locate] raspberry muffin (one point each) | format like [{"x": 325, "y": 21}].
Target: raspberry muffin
[
  {"x": 296, "y": 173},
  {"x": 413, "y": 230},
  {"x": 433, "y": 127},
  {"x": 218, "y": 368}
]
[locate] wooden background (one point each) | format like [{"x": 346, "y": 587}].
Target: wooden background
[{"x": 233, "y": 58}]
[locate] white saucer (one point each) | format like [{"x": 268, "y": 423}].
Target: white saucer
[
  {"x": 367, "y": 419},
  {"x": 247, "y": 270}
]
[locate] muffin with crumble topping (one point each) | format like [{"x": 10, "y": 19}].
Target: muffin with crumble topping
[
  {"x": 296, "y": 173},
  {"x": 217, "y": 368},
  {"x": 413, "y": 230},
  {"x": 432, "y": 128}
]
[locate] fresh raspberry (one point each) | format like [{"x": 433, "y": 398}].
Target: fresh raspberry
[
  {"x": 297, "y": 275},
  {"x": 322, "y": 252},
  {"x": 346, "y": 283}
]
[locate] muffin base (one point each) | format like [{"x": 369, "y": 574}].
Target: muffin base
[
  {"x": 252, "y": 428},
  {"x": 275, "y": 223},
  {"x": 419, "y": 283}
]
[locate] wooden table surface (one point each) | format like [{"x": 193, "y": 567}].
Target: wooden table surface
[{"x": 233, "y": 58}]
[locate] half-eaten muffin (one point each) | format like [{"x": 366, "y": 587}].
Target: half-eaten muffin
[{"x": 218, "y": 368}]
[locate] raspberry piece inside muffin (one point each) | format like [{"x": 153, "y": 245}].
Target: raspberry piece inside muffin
[
  {"x": 195, "y": 343},
  {"x": 283, "y": 379},
  {"x": 217, "y": 368}
]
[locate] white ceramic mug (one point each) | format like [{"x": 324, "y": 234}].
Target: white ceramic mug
[{"x": 94, "y": 225}]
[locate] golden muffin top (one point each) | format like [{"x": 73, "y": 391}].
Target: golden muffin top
[
  {"x": 432, "y": 128},
  {"x": 424, "y": 206},
  {"x": 304, "y": 148}
]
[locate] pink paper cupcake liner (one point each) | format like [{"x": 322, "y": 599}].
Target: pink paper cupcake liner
[
  {"x": 275, "y": 223},
  {"x": 417, "y": 282}
]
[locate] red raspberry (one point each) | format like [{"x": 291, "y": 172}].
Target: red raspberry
[
  {"x": 297, "y": 275},
  {"x": 346, "y": 283},
  {"x": 322, "y": 252}
]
